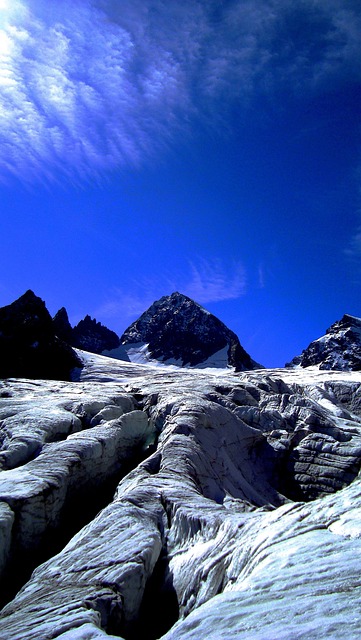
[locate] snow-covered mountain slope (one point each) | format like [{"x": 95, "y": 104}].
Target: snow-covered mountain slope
[
  {"x": 177, "y": 330},
  {"x": 339, "y": 349},
  {"x": 181, "y": 503}
]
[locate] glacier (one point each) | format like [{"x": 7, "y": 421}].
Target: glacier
[{"x": 144, "y": 502}]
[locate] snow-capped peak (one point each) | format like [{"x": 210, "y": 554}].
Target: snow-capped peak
[
  {"x": 339, "y": 349},
  {"x": 175, "y": 328}
]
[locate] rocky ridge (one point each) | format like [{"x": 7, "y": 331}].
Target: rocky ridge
[
  {"x": 338, "y": 350},
  {"x": 62, "y": 326},
  {"x": 177, "y": 330},
  {"x": 29, "y": 346},
  {"x": 229, "y": 504},
  {"x": 89, "y": 335},
  {"x": 92, "y": 336}
]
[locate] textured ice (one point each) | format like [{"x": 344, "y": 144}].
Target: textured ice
[{"x": 206, "y": 535}]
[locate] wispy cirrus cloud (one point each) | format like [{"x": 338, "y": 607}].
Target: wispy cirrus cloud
[
  {"x": 213, "y": 281},
  {"x": 205, "y": 281},
  {"x": 90, "y": 85},
  {"x": 261, "y": 276},
  {"x": 83, "y": 91},
  {"x": 353, "y": 250}
]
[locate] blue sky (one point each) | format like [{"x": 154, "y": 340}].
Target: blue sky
[{"x": 207, "y": 147}]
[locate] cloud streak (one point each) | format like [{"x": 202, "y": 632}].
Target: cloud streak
[
  {"x": 211, "y": 281},
  {"x": 353, "y": 250},
  {"x": 87, "y": 86},
  {"x": 206, "y": 281}
]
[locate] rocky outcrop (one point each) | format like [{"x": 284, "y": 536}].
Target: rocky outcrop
[
  {"x": 92, "y": 336},
  {"x": 62, "y": 326},
  {"x": 229, "y": 504},
  {"x": 89, "y": 335},
  {"x": 177, "y": 330},
  {"x": 29, "y": 347},
  {"x": 338, "y": 350}
]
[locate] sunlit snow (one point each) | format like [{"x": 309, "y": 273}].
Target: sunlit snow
[{"x": 239, "y": 557}]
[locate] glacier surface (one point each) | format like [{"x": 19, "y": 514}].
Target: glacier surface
[{"x": 145, "y": 502}]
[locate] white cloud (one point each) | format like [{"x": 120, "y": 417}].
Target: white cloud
[
  {"x": 207, "y": 281},
  {"x": 353, "y": 250},
  {"x": 124, "y": 305},
  {"x": 90, "y": 85},
  {"x": 261, "y": 276},
  {"x": 79, "y": 94},
  {"x": 212, "y": 281}
]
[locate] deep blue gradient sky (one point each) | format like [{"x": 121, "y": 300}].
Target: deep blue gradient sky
[{"x": 207, "y": 147}]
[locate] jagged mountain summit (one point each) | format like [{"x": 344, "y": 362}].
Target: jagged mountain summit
[
  {"x": 89, "y": 335},
  {"x": 177, "y": 330},
  {"x": 338, "y": 350},
  {"x": 62, "y": 326},
  {"x": 29, "y": 346},
  {"x": 34, "y": 345},
  {"x": 92, "y": 336}
]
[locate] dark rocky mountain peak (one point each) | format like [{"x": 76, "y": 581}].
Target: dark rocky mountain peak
[
  {"x": 29, "y": 347},
  {"x": 346, "y": 322},
  {"x": 176, "y": 329},
  {"x": 339, "y": 349},
  {"x": 62, "y": 326},
  {"x": 92, "y": 336},
  {"x": 89, "y": 335}
]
